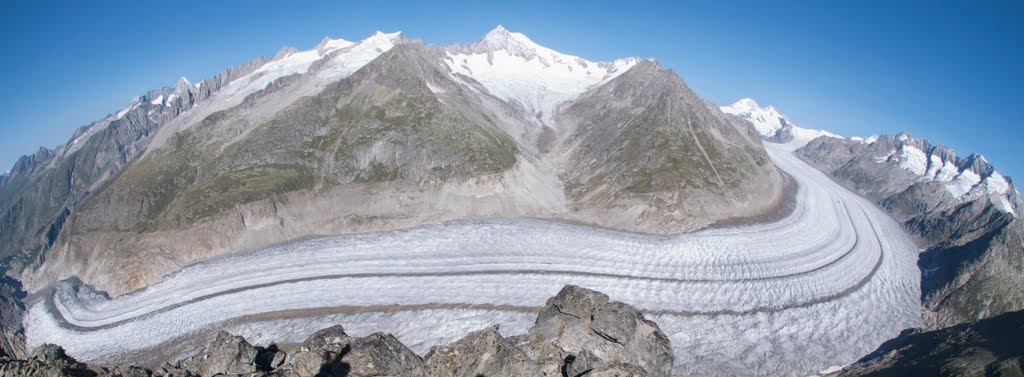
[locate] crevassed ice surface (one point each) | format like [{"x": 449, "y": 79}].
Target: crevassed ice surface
[{"x": 820, "y": 287}]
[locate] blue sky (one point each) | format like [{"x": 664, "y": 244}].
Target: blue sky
[{"x": 952, "y": 72}]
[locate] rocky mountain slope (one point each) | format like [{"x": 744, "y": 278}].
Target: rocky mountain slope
[
  {"x": 989, "y": 347},
  {"x": 379, "y": 134},
  {"x": 965, "y": 215},
  {"x": 578, "y": 333}
]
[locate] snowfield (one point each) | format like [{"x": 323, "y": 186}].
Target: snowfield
[{"x": 821, "y": 287}]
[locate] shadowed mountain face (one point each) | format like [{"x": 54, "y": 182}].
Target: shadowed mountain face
[
  {"x": 387, "y": 133},
  {"x": 965, "y": 215},
  {"x": 989, "y": 347}
]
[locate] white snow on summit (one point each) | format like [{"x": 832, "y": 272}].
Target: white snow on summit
[
  {"x": 358, "y": 55},
  {"x": 768, "y": 122},
  {"x": 962, "y": 185},
  {"x": 288, "y": 64},
  {"x": 515, "y": 69}
]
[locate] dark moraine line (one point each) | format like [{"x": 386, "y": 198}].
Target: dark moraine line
[
  {"x": 312, "y": 312},
  {"x": 354, "y": 309}
]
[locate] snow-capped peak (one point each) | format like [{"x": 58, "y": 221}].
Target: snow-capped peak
[
  {"x": 770, "y": 123},
  {"x": 766, "y": 120},
  {"x": 514, "y": 43},
  {"x": 327, "y": 44},
  {"x": 514, "y": 68}
]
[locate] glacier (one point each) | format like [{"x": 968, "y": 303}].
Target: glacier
[{"x": 822, "y": 286}]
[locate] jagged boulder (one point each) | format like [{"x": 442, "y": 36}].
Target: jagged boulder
[
  {"x": 227, "y": 354},
  {"x": 481, "y": 353},
  {"x": 381, "y": 354},
  {"x": 579, "y": 332},
  {"x": 331, "y": 352},
  {"x": 318, "y": 352}
]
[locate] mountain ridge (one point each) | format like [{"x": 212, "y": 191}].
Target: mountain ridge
[{"x": 251, "y": 162}]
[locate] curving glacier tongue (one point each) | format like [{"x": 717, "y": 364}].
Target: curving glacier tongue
[{"x": 824, "y": 285}]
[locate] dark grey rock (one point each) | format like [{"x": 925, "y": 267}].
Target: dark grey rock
[
  {"x": 481, "y": 353},
  {"x": 12, "y": 335},
  {"x": 989, "y": 347},
  {"x": 580, "y": 331},
  {"x": 381, "y": 354},
  {"x": 227, "y": 354},
  {"x": 48, "y": 360}
]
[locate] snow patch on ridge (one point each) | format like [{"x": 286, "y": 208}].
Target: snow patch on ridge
[
  {"x": 357, "y": 55},
  {"x": 914, "y": 159},
  {"x": 963, "y": 183},
  {"x": 288, "y": 64}
]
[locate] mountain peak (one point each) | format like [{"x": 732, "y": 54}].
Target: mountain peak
[
  {"x": 382, "y": 35},
  {"x": 747, "y": 103},
  {"x": 328, "y": 44},
  {"x": 497, "y": 34},
  {"x": 182, "y": 86},
  {"x": 769, "y": 122},
  {"x": 500, "y": 39}
]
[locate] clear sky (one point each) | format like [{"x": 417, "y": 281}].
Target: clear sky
[{"x": 948, "y": 71}]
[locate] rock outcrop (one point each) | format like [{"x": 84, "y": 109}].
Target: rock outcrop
[
  {"x": 581, "y": 331},
  {"x": 578, "y": 333},
  {"x": 48, "y": 361},
  {"x": 12, "y": 338},
  {"x": 227, "y": 354},
  {"x": 485, "y": 352},
  {"x": 964, "y": 214},
  {"x": 989, "y": 347}
]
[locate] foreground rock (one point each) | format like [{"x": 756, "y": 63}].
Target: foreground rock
[
  {"x": 990, "y": 347},
  {"x": 579, "y": 332},
  {"x": 47, "y": 360},
  {"x": 12, "y": 334},
  {"x": 483, "y": 352},
  {"x": 227, "y": 354}
]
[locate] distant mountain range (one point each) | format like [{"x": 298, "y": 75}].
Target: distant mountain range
[
  {"x": 377, "y": 134},
  {"x": 388, "y": 132},
  {"x": 964, "y": 214}
]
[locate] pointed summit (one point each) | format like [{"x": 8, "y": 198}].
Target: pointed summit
[
  {"x": 327, "y": 45},
  {"x": 500, "y": 39},
  {"x": 498, "y": 31},
  {"x": 182, "y": 86}
]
